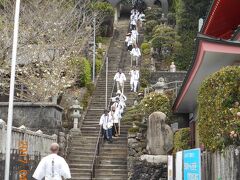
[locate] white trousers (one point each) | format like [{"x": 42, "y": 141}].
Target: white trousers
[
  {"x": 134, "y": 85},
  {"x": 134, "y": 58},
  {"x": 120, "y": 86}
]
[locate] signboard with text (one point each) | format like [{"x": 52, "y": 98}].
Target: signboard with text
[{"x": 192, "y": 164}]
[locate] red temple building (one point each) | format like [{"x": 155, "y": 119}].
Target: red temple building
[{"x": 218, "y": 45}]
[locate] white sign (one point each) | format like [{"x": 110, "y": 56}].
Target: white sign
[
  {"x": 170, "y": 167},
  {"x": 179, "y": 166}
]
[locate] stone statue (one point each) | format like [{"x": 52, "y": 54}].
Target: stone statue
[
  {"x": 159, "y": 135},
  {"x": 172, "y": 67},
  {"x": 160, "y": 85}
]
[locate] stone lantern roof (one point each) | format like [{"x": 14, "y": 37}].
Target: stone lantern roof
[{"x": 76, "y": 105}]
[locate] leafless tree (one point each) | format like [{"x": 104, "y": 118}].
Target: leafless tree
[{"x": 50, "y": 33}]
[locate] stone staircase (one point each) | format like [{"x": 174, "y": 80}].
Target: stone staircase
[{"x": 113, "y": 157}]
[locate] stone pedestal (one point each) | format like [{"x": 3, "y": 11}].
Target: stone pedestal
[
  {"x": 154, "y": 159},
  {"x": 159, "y": 135},
  {"x": 75, "y": 132}
]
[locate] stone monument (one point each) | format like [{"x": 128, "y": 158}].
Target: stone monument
[{"x": 159, "y": 135}]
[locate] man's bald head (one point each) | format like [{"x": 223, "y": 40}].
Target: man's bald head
[{"x": 54, "y": 148}]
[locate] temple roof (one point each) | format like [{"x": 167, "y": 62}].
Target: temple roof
[
  {"x": 218, "y": 46},
  {"x": 223, "y": 19},
  {"x": 211, "y": 55}
]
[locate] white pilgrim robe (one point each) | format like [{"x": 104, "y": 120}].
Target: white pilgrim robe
[
  {"x": 134, "y": 76},
  {"x": 130, "y": 41},
  {"x": 120, "y": 77},
  {"x": 134, "y": 36},
  {"x": 52, "y": 167},
  {"x": 134, "y": 79},
  {"x": 106, "y": 121},
  {"x": 115, "y": 116},
  {"x": 136, "y": 52},
  {"x": 119, "y": 107},
  {"x": 121, "y": 97}
]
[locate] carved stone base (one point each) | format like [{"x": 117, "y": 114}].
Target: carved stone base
[{"x": 75, "y": 132}]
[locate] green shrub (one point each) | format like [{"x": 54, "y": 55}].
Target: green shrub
[
  {"x": 156, "y": 42},
  {"x": 155, "y": 102},
  {"x": 187, "y": 14},
  {"x": 146, "y": 49},
  {"x": 149, "y": 26},
  {"x": 99, "y": 64},
  {"x": 86, "y": 97},
  {"x": 103, "y": 7},
  {"x": 90, "y": 88},
  {"x": 83, "y": 67},
  {"x": 133, "y": 130},
  {"x": 171, "y": 18},
  {"x": 182, "y": 140},
  {"x": 85, "y": 100},
  {"x": 151, "y": 103},
  {"x": 145, "y": 76},
  {"x": 154, "y": 13},
  {"x": 218, "y": 98},
  {"x": 133, "y": 114},
  {"x": 101, "y": 39}
]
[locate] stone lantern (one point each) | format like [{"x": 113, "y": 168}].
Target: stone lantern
[
  {"x": 163, "y": 19},
  {"x": 160, "y": 85},
  {"x": 75, "y": 115}
]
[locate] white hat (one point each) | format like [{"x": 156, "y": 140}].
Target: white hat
[{"x": 118, "y": 92}]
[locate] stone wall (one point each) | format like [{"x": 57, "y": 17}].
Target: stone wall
[
  {"x": 141, "y": 169},
  {"x": 168, "y": 76},
  {"x": 44, "y": 116}
]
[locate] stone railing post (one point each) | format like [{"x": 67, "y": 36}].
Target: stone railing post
[{"x": 62, "y": 143}]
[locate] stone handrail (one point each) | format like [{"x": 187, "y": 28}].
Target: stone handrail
[
  {"x": 176, "y": 85},
  {"x": 37, "y": 141}
]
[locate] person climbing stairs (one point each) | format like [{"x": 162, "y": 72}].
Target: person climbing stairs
[{"x": 113, "y": 157}]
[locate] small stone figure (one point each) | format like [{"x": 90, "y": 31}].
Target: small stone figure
[{"x": 172, "y": 67}]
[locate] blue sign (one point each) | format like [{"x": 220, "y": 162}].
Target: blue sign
[{"x": 192, "y": 164}]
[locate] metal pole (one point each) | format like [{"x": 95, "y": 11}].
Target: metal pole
[
  {"x": 106, "y": 95},
  {"x": 94, "y": 48},
  {"x": 11, "y": 94}
]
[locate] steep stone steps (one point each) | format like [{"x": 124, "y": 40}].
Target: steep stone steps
[{"x": 113, "y": 159}]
